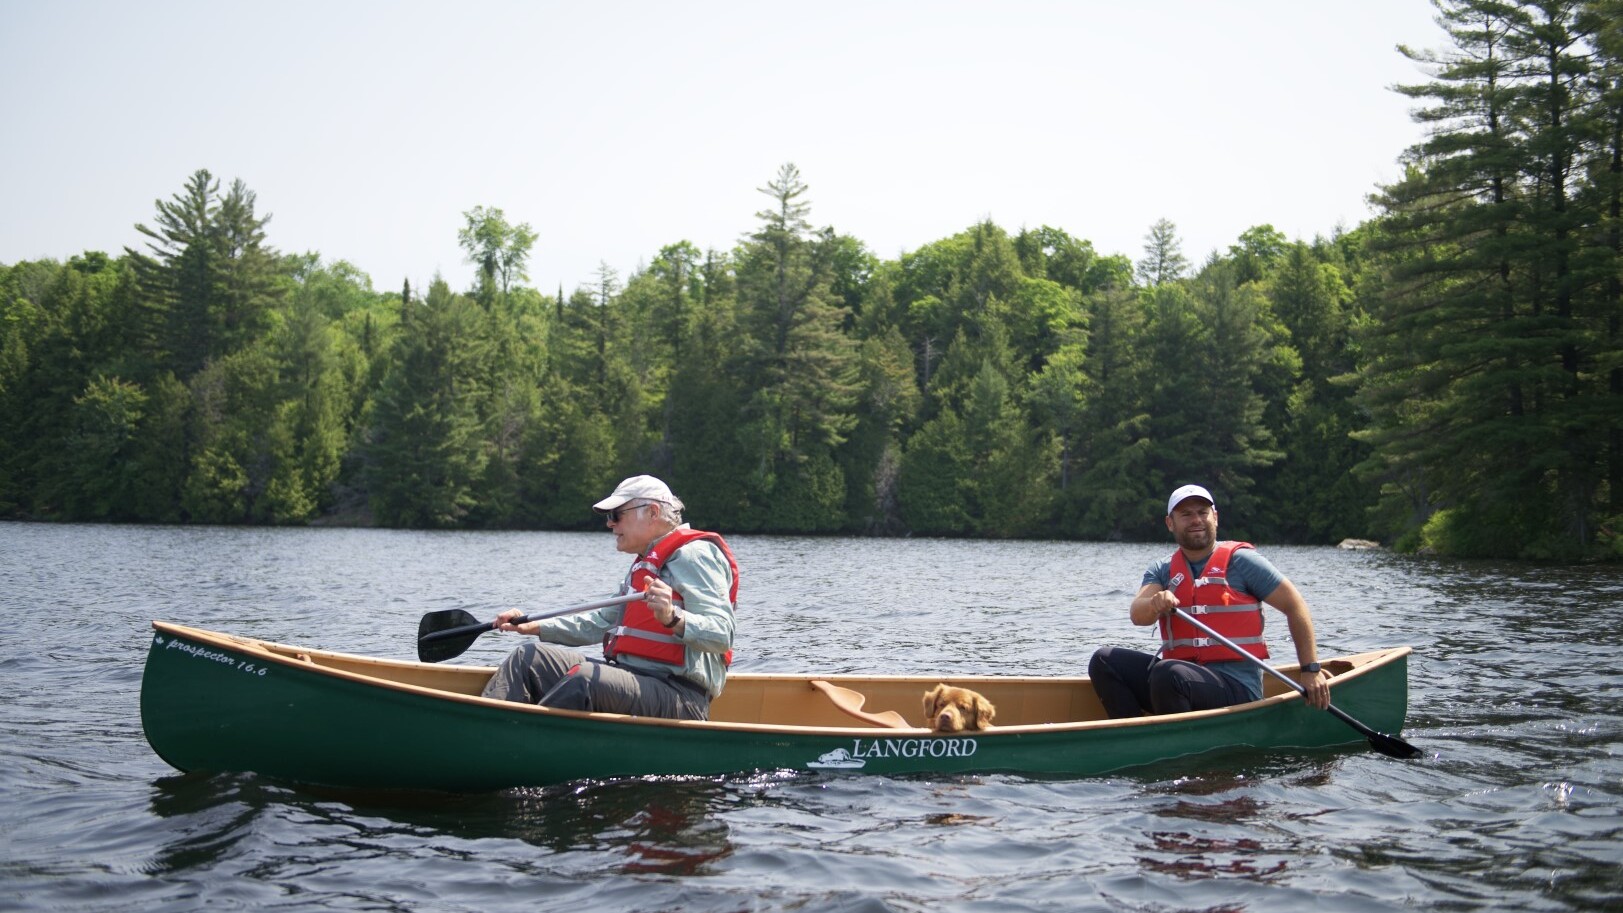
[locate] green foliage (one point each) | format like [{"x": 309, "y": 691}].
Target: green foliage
[
  {"x": 1490, "y": 380},
  {"x": 1445, "y": 377},
  {"x": 811, "y": 499},
  {"x": 159, "y": 458},
  {"x": 566, "y": 458},
  {"x": 933, "y": 482},
  {"x": 99, "y": 477},
  {"x": 1258, "y": 250},
  {"x": 425, "y": 452},
  {"x": 796, "y": 361},
  {"x": 216, "y": 489},
  {"x": 1163, "y": 259},
  {"x": 1610, "y": 539},
  {"x": 499, "y": 249},
  {"x": 889, "y": 400},
  {"x": 1011, "y": 467},
  {"x": 209, "y": 282},
  {"x": 1494, "y": 529},
  {"x": 1205, "y": 406}
]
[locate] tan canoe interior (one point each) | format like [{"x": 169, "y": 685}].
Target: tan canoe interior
[{"x": 841, "y": 701}]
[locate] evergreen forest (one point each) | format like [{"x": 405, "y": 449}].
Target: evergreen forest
[{"x": 1446, "y": 376}]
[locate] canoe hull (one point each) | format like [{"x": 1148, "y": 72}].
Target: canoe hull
[{"x": 216, "y": 703}]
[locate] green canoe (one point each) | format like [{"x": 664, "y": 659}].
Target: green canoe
[{"x": 217, "y": 702}]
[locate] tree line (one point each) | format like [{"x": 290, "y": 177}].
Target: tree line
[{"x": 1447, "y": 375}]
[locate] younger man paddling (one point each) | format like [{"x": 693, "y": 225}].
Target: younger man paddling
[{"x": 1229, "y": 582}]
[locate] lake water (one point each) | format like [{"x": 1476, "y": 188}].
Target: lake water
[{"x": 1515, "y": 695}]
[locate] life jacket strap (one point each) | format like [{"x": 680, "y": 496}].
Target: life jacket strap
[
  {"x": 1214, "y": 609},
  {"x": 623, "y": 631},
  {"x": 1207, "y": 642}
]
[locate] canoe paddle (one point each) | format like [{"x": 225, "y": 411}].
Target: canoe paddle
[
  {"x": 448, "y": 633},
  {"x": 1389, "y": 745}
]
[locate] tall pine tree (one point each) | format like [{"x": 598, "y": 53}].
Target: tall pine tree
[
  {"x": 1488, "y": 416},
  {"x": 798, "y": 365}
]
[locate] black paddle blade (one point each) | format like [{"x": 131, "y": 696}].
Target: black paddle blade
[
  {"x": 1389, "y": 745},
  {"x": 1392, "y": 746},
  {"x": 446, "y": 634}
]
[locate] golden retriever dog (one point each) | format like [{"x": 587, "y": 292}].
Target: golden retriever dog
[{"x": 949, "y": 709}]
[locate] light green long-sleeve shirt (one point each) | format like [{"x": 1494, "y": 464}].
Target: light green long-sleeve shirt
[{"x": 699, "y": 571}]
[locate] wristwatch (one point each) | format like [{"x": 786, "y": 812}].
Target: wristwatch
[
  {"x": 1311, "y": 667},
  {"x": 676, "y": 616}
]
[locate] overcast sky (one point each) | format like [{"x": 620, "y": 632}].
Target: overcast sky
[{"x": 616, "y": 128}]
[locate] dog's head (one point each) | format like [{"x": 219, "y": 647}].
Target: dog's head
[{"x": 949, "y": 709}]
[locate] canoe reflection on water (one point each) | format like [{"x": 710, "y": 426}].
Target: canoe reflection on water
[{"x": 661, "y": 826}]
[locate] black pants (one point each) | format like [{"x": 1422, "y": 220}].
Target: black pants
[{"x": 1131, "y": 683}]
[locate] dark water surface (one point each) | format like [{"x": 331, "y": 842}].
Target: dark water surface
[{"x": 1515, "y": 695}]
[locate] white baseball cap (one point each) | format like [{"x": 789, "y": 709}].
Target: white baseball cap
[
  {"x": 647, "y": 488},
  {"x": 1188, "y": 491}
]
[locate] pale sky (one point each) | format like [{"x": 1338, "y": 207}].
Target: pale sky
[{"x": 615, "y": 128}]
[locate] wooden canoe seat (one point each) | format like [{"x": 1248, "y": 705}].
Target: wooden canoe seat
[{"x": 850, "y": 702}]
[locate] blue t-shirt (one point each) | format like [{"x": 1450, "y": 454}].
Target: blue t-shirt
[{"x": 1248, "y": 572}]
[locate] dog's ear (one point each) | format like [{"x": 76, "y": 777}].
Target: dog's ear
[
  {"x": 932, "y": 701},
  {"x": 984, "y": 712}
]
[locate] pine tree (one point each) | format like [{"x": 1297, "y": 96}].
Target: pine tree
[
  {"x": 889, "y": 400},
  {"x": 210, "y": 277},
  {"x": 425, "y": 451},
  {"x": 1163, "y": 259},
  {"x": 798, "y": 363},
  {"x": 1606, "y": 18},
  {"x": 1113, "y": 484},
  {"x": 1480, "y": 379},
  {"x": 1313, "y": 414}
]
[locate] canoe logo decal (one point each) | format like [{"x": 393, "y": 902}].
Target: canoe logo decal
[
  {"x": 214, "y": 656},
  {"x": 838, "y": 759},
  {"x": 862, "y": 749}
]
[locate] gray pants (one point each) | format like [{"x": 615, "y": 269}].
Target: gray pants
[{"x": 542, "y": 673}]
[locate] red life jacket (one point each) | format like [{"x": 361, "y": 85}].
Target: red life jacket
[
  {"x": 640, "y": 632},
  {"x": 1229, "y": 612}
]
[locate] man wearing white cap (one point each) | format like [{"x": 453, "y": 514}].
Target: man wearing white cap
[
  {"x": 1225, "y": 584},
  {"x": 665, "y": 654}
]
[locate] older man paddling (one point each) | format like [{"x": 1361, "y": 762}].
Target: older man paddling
[
  {"x": 1224, "y": 584},
  {"x": 665, "y": 654}
]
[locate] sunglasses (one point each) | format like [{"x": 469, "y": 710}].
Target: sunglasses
[{"x": 614, "y": 515}]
